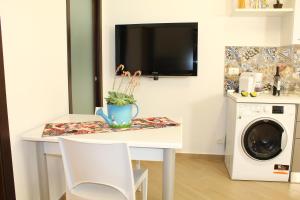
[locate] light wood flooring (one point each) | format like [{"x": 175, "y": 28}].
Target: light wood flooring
[{"x": 206, "y": 178}]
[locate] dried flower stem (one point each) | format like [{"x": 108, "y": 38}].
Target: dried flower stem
[
  {"x": 134, "y": 84},
  {"x": 127, "y": 74},
  {"x": 128, "y": 85},
  {"x": 122, "y": 78},
  {"x": 134, "y": 81},
  {"x": 124, "y": 74},
  {"x": 120, "y": 67}
]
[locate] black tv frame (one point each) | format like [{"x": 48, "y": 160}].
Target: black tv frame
[{"x": 155, "y": 74}]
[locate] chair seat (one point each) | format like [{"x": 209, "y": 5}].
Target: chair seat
[{"x": 92, "y": 191}]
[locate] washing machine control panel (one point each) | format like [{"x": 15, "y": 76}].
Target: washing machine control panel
[
  {"x": 266, "y": 109},
  {"x": 277, "y": 110}
]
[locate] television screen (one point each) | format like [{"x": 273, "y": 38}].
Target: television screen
[{"x": 158, "y": 49}]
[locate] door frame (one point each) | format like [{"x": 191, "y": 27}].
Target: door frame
[
  {"x": 7, "y": 190},
  {"x": 97, "y": 29}
]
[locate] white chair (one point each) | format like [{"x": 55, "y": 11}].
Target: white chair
[
  {"x": 100, "y": 171},
  {"x": 138, "y": 162}
]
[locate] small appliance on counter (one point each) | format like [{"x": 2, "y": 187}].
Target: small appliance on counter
[{"x": 250, "y": 82}]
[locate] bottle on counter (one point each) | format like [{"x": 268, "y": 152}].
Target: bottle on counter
[
  {"x": 242, "y": 4},
  {"x": 277, "y": 83}
]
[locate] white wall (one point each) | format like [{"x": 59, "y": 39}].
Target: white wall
[
  {"x": 198, "y": 100},
  {"x": 35, "y": 59},
  {"x": 34, "y": 39}
]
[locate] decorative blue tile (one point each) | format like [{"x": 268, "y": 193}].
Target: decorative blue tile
[{"x": 263, "y": 60}]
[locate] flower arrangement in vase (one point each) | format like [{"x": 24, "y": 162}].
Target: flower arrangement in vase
[{"x": 120, "y": 99}]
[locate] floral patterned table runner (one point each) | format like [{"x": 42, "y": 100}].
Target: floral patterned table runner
[{"x": 78, "y": 128}]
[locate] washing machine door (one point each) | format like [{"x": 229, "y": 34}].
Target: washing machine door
[{"x": 264, "y": 139}]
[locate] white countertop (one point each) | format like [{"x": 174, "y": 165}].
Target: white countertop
[
  {"x": 266, "y": 98},
  {"x": 170, "y": 137}
]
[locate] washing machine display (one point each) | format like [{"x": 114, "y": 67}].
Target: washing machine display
[{"x": 264, "y": 139}]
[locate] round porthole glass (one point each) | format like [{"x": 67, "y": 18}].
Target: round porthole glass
[{"x": 263, "y": 139}]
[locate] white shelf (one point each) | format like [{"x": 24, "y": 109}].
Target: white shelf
[{"x": 251, "y": 12}]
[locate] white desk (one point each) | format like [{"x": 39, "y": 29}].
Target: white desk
[{"x": 146, "y": 144}]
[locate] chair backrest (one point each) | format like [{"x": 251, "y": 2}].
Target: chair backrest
[{"x": 107, "y": 164}]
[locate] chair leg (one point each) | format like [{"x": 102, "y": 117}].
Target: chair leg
[
  {"x": 145, "y": 188},
  {"x": 138, "y": 166}
]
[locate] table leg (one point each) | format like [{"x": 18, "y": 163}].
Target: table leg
[
  {"x": 42, "y": 171},
  {"x": 168, "y": 174}
]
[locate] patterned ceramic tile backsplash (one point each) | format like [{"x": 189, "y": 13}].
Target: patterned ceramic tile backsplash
[{"x": 263, "y": 60}]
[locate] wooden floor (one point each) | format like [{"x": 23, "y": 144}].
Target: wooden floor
[{"x": 206, "y": 178}]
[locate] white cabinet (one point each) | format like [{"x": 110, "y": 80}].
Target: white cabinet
[
  {"x": 288, "y": 8},
  {"x": 296, "y": 27},
  {"x": 290, "y": 26},
  {"x": 289, "y": 16}
]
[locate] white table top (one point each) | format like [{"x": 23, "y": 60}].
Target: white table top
[
  {"x": 266, "y": 98},
  {"x": 170, "y": 137}
]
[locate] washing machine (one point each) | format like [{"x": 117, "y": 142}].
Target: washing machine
[{"x": 259, "y": 140}]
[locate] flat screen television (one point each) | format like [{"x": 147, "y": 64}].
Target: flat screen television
[{"x": 166, "y": 49}]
